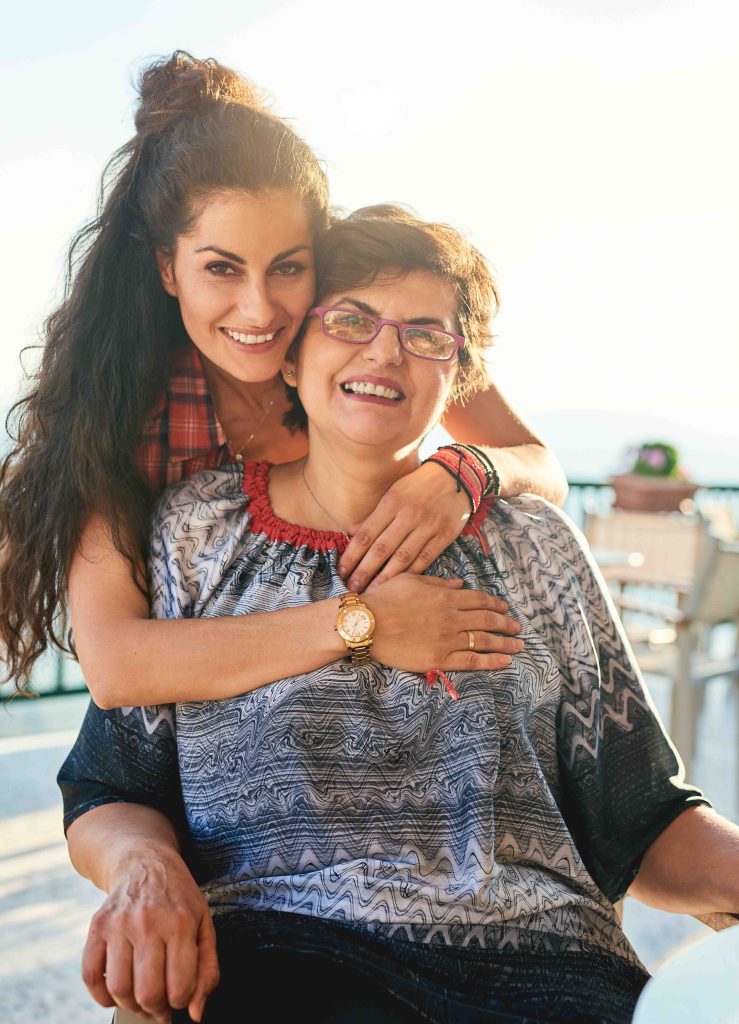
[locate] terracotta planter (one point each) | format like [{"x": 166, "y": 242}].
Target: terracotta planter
[{"x": 650, "y": 493}]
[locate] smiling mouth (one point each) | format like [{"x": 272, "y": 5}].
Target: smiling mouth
[
  {"x": 365, "y": 387},
  {"x": 248, "y": 339}
]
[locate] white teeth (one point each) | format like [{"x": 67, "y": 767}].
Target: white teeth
[
  {"x": 364, "y": 387},
  {"x": 249, "y": 339}
]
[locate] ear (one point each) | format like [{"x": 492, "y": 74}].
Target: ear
[
  {"x": 289, "y": 368},
  {"x": 165, "y": 264},
  {"x": 289, "y": 374}
]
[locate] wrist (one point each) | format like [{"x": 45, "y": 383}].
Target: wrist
[
  {"x": 355, "y": 625},
  {"x": 472, "y": 470},
  {"x": 138, "y": 859},
  {"x": 327, "y": 613}
]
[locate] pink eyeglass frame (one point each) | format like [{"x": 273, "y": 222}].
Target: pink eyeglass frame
[{"x": 380, "y": 322}]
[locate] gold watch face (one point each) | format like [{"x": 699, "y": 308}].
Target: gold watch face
[{"x": 356, "y": 624}]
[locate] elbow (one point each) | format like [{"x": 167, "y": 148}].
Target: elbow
[
  {"x": 561, "y": 490},
  {"x": 559, "y": 486},
  {"x": 108, "y": 683},
  {"x": 106, "y": 695}
]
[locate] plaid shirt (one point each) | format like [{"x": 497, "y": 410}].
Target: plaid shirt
[{"x": 182, "y": 434}]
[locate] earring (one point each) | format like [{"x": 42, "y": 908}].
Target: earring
[{"x": 290, "y": 374}]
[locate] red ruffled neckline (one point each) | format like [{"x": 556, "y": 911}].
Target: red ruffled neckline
[{"x": 264, "y": 520}]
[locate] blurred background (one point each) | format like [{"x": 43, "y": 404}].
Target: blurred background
[
  {"x": 588, "y": 149},
  {"x": 586, "y": 146}
]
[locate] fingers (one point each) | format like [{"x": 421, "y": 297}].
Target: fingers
[
  {"x": 480, "y": 600},
  {"x": 363, "y": 536},
  {"x": 488, "y": 622},
  {"x": 93, "y": 969},
  {"x": 149, "y": 980},
  {"x": 473, "y": 661},
  {"x": 490, "y": 643},
  {"x": 208, "y": 973},
  {"x": 392, "y": 551},
  {"x": 415, "y": 553},
  {"x": 181, "y": 970},
  {"x": 119, "y": 973}
]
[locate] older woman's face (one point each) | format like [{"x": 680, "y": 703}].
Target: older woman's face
[{"x": 377, "y": 394}]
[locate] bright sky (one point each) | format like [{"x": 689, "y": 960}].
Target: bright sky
[{"x": 588, "y": 147}]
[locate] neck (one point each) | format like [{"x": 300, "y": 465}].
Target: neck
[
  {"x": 345, "y": 486},
  {"x": 226, "y": 390}
]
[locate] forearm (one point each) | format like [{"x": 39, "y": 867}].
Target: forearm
[
  {"x": 107, "y": 840},
  {"x": 523, "y": 462},
  {"x": 529, "y": 468},
  {"x": 692, "y": 867},
  {"x": 135, "y": 661}
]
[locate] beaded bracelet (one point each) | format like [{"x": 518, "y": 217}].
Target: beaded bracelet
[
  {"x": 460, "y": 465},
  {"x": 473, "y": 471},
  {"x": 492, "y": 480}
]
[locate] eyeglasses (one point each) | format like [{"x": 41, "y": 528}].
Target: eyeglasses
[{"x": 361, "y": 328}]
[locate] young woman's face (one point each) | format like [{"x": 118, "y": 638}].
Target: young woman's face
[
  {"x": 244, "y": 280},
  {"x": 377, "y": 394}
]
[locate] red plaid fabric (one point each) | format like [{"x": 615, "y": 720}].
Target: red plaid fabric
[{"x": 182, "y": 435}]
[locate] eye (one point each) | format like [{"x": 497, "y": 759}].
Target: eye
[
  {"x": 221, "y": 269},
  {"x": 292, "y": 268}
]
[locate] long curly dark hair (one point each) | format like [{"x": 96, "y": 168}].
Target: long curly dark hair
[{"x": 200, "y": 129}]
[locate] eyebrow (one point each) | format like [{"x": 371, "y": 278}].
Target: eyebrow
[
  {"x": 240, "y": 259},
  {"x": 419, "y": 320}
]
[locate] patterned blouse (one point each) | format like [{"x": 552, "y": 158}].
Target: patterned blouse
[{"x": 508, "y": 820}]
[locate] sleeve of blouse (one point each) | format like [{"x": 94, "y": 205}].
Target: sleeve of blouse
[
  {"x": 622, "y": 779},
  {"x": 125, "y": 755}
]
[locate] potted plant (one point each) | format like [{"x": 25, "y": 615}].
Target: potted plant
[{"x": 655, "y": 481}]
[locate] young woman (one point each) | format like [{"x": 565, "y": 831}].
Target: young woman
[
  {"x": 185, "y": 293},
  {"x": 405, "y": 846}
]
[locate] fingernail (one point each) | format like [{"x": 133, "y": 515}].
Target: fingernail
[
  {"x": 518, "y": 644},
  {"x": 515, "y": 625},
  {"x": 506, "y": 659}
]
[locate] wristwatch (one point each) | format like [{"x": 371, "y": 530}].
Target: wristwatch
[{"x": 355, "y": 624}]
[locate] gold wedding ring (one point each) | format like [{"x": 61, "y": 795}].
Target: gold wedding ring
[{"x": 470, "y": 640}]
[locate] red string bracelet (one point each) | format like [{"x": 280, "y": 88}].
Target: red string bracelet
[{"x": 436, "y": 673}]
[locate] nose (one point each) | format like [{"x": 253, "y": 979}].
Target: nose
[
  {"x": 385, "y": 348},
  {"x": 255, "y": 303}
]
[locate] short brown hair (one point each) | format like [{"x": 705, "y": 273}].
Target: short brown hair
[{"x": 387, "y": 238}]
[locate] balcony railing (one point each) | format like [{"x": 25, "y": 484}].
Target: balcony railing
[{"x": 57, "y": 674}]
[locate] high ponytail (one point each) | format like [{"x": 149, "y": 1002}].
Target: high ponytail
[{"x": 200, "y": 128}]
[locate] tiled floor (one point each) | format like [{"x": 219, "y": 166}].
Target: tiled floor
[{"x": 45, "y": 907}]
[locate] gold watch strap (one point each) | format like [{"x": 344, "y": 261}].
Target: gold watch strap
[{"x": 359, "y": 653}]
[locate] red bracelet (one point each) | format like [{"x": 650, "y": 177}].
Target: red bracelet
[{"x": 461, "y": 463}]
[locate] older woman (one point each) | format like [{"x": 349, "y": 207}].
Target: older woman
[{"x": 406, "y": 845}]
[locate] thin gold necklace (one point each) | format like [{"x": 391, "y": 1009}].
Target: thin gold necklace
[
  {"x": 324, "y": 510},
  {"x": 238, "y": 456}
]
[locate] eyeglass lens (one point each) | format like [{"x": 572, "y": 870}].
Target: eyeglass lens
[{"x": 358, "y": 328}]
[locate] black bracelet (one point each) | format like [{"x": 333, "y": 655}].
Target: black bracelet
[
  {"x": 461, "y": 485},
  {"x": 492, "y": 480}
]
